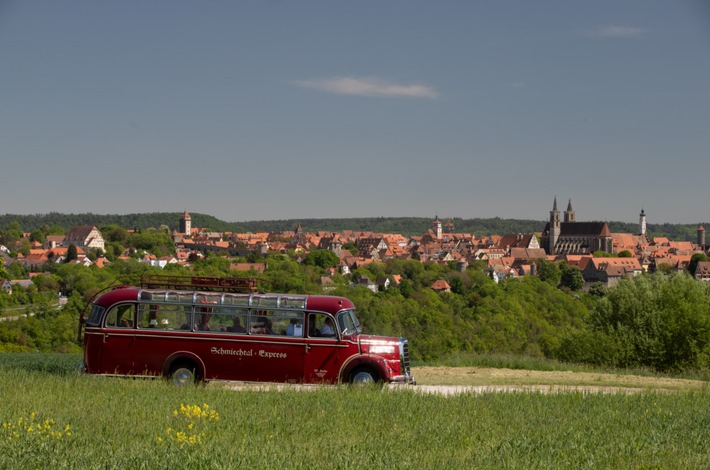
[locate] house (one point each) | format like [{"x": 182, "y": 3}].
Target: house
[
  {"x": 441, "y": 286},
  {"x": 8, "y": 285},
  {"x": 364, "y": 281},
  {"x": 53, "y": 241},
  {"x": 86, "y": 237},
  {"x": 517, "y": 240},
  {"x": 702, "y": 271},
  {"x": 327, "y": 284},
  {"x": 383, "y": 283},
  {"x": 608, "y": 270}
]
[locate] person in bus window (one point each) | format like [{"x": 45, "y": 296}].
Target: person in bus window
[
  {"x": 328, "y": 328},
  {"x": 293, "y": 328},
  {"x": 236, "y": 326},
  {"x": 268, "y": 326},
  {"x": 262, "y": 326},
  {"x": 204, "y": 324}
]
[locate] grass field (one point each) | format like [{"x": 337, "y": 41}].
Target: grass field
[{"x": 91, "y": 422}]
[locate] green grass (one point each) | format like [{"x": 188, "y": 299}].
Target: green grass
[{"x": 124, "y": 423}]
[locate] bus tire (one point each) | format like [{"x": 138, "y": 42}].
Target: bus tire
[
  {"x": 183, "y": 373},
  {"x": 364, "y": 375}
]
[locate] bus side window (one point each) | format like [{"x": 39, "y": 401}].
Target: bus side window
[
  {"x": 120, "y": 316},
  {"x": 290, "y": 324},
  {"x": 233, "y": 321},
  {"x": 261, "y": 323},
  {"x": 163, "y": 317},
  {"x": 321, "y": 326},
  {"x": 148, "y": 315}
]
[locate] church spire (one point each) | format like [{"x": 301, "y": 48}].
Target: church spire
[
  {"x": 569, "y": 213},
  {"x": 554, "y": 228}
]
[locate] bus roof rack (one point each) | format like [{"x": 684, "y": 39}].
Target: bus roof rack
[{"x": 208, "y": 283}]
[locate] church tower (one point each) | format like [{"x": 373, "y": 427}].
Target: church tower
[
  {"x": 186, "y": 224},
  {"x": 642, "y": 222},
  {"x": 554, "y": 227},
  {"x": 436, "y": 227},
  {"x": 569, "y": 213}
]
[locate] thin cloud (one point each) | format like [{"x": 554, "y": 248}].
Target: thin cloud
[
  {"x": 616, "y": 32},
  {"x": 368, "y": 87}
]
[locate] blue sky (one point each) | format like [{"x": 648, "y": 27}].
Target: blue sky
[{"x": 254, "y": 110}]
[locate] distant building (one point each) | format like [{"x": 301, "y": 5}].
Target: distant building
[
  {"x": 608, "y": 271},
  {"x": 702, "y": 271},
  {"x": 572, "y": 237},
  {"x": 441, "y": 286},
  {"x": 84, "y": 237},
  {"x": 185, "y": 223}
]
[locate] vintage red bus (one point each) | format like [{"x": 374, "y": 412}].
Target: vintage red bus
[{"x": 202, "y": 328}]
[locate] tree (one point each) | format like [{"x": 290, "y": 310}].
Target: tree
[
  {"x": 626, "y": 254},
  {"x": 572, "y": 278},
  {"x": 597, "y": 289},
  {"x": 549, "y": 272},
  {"x": 71, "y": 253},
  {"x": 12, "y": 234},
  {"x": 37, "y": 235},
  {"x": 664, "y": 321}
]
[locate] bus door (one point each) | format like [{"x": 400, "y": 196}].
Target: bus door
[
  {"x": 323, "y": 350},
  {"x": 118, "y": 341}
]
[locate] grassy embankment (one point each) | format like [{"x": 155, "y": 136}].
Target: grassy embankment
[{"x": 122, "y": 423}]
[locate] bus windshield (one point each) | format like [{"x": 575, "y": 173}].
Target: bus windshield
[{"x": 348, "y": 322}]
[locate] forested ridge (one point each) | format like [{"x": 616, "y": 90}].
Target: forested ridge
[{"x": 407, "y": 226}]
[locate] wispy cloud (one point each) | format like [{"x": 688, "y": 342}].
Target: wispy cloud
[
  {"x": 616, "y": 32},
  {"x": 368, "y": 87}
]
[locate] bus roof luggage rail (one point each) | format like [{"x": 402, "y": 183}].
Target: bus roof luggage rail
[{"x": 206, "y": 283}]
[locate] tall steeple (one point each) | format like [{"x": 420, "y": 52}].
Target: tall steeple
[
  {"x": 186, "y": 223},
  {"x": 642, "y": 222},
  {"x": 554, "y": 228},
  {"x": 436, "y": 227},
  {"x": 569, "y": 213}
]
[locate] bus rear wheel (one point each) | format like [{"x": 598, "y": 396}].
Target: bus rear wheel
[
  {"x": 183, "y": 373},
  {"x": 364, "y": 375}
]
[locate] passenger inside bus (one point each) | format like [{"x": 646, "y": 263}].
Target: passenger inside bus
[
  {"x": 204, "y": 323},
  {"x": 263, "y": 326},
  {"x": 236, "y": 326},
  {"x": 295, "y": 328},
  {"x": 328, "y": 328}
]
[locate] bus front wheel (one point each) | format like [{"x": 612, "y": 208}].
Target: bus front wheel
[
  {"x": 364, "y": 375},
  {"x": 183, "y": 373}
]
